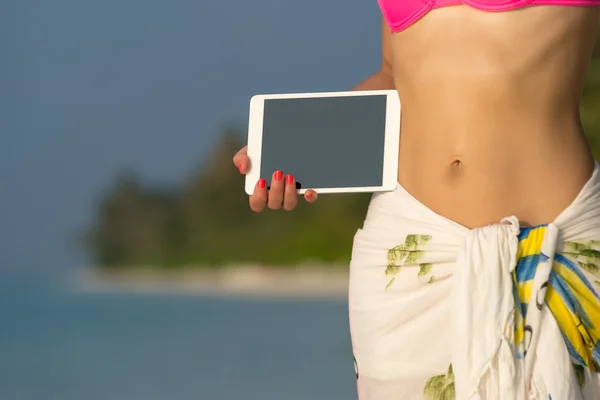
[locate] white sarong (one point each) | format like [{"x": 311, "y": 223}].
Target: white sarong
[{"x": 438, "y": 311}]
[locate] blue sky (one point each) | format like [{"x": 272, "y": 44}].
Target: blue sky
[{"x": 89, "y": 87}]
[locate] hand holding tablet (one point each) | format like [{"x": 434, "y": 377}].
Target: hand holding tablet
[
  {"x": 337, "y": 142},
  {"x": 282, "y": 192}
]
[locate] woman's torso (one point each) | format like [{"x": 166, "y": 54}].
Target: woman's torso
[{"x": 490, "y": 111}]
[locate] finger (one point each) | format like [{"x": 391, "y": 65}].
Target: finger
[
  {"x": 311, "y": 196},
  {"x": 258, "y": 200},
  {"x": 276, "y": 191},
  {"x": 290, "y": 196},
  {"x": 243, "y": 164},
  {"x": 241, "y": 160}
]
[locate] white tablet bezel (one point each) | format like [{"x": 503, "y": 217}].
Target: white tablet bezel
[{"x": 391, "y": 145}]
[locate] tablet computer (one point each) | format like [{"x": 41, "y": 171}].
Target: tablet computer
[{"x": 334, "y": 142}]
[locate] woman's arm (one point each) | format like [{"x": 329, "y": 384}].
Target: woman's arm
[{"x": 381, "y": 80}]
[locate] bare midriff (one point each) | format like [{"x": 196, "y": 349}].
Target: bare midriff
[{"x": 490, "y": 111}]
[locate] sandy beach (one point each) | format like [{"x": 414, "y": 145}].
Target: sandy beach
[{"x": 243, "y": 280}]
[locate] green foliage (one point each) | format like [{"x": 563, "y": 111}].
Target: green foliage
[
  {"x": 207, "y": 221},
  {"x": 441, "y": 387}
]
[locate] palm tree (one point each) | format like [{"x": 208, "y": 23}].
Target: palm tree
[
  {"x": 586, "y": 253},
  {"x": 440, "y": 387},
  {"x": 410, "y": 252}
]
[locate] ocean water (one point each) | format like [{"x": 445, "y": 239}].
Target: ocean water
[{"x": 58, "y": 344}]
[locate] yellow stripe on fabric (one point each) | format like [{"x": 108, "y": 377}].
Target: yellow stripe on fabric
[
  {"x": 587, "y": 299},
  {"x": 532, "y": 243},
  {"x": 519, "y": 328},
  {"x": 589, "y": 308},
  {"x": 524, "y": 291},
  {"x": 567, "y": 323},
  {"x": 573, "y": 304}
]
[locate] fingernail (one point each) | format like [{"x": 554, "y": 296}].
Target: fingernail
[
  {"x": 240, "y": 167},
  {"x": 309, "y": 195},
  {"x": 278, "y": 175},
  {"x": 289, "y": 179},
  {"x": 262, "y": 183}
]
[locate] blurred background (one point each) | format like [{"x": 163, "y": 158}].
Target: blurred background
[{"x": 130, "y": 264}]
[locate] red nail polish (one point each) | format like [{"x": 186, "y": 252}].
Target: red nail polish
[
  {"x": 240, "y": 167},
  {"x": 309, "y": 195},
  {"x": 278, "y": 175},
  {"x": 262, "y": 183},
  {"x": 289, "y": 179}
]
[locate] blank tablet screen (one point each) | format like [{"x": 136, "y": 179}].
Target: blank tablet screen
[{"x": 326, "y": 142}]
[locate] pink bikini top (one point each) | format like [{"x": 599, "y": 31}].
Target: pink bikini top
[{"x": 400, "y": 14}]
